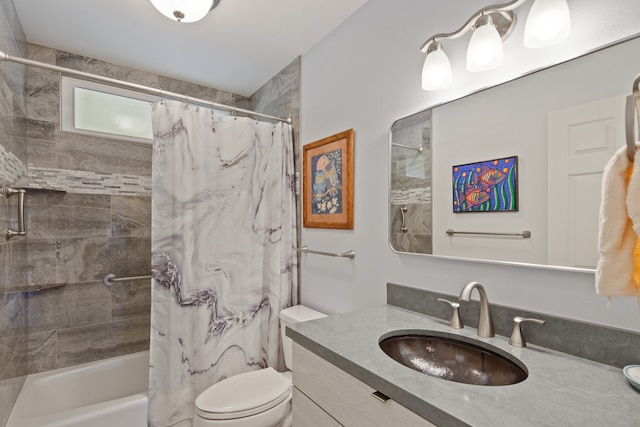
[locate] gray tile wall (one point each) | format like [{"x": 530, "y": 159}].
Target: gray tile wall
[
  {"x": 77, "y": 239},
  {"x": 101, "y": 225},
  {"x": 13, "y": 315}
]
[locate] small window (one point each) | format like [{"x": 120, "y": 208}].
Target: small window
[
  {"x": 98, "y": 109},
  {"x": 101, "y": 110}
]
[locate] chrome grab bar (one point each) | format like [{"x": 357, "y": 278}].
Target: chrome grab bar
[
  {"x": 21, "y": 231},
  {"x": 525, "y": 234},
  {"x": 419, "y": 148},
  {"x": 403, "y": 226},
  {"x": 111, "y": 279},
  {"x": 348, "y": 254}
]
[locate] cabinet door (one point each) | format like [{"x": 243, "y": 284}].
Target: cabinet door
[
  {"x": 308, "y": 414},
  {"x": 348, "y": 400}
]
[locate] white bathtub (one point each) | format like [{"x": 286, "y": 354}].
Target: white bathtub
[{"x": 107, "y": 393}]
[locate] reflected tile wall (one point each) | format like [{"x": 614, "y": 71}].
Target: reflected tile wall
[{"x": 411, "y": 185}]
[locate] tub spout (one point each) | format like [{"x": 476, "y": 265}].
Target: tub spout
[{"x": 485, "y": 323}]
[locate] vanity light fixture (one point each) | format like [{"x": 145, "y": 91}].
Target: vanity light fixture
[
  {"x": 548, "y": 23},
  {"x": 185, "y": 10},
  {"x": 436, "y": 72},
  {"x": 485, "y": 47}
]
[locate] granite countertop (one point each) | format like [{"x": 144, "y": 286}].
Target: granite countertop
[{"x": 561, "y": 389}]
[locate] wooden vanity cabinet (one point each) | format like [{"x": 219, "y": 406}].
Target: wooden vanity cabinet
[{"x": 326, "y": 396}]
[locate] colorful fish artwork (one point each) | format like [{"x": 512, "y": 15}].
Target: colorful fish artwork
[{"x": 488, "y": 186}]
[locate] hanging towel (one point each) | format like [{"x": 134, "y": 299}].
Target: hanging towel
[{"x": 618, "y": 269}]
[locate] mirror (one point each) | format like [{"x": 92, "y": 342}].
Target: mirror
[{"x": 561, "y": 125}]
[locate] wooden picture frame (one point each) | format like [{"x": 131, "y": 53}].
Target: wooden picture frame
[{"x": 327, "y": 167}]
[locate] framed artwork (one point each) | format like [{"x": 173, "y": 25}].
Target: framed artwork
[
  {"x": 488, "y": 186},
  {"x": 328, "y": 182}
]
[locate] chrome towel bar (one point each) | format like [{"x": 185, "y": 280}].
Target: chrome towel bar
[
  {"x": 525, "y": 234},
  {"x": 111, "y": 279},
  {"x": 348, "y": 254}
]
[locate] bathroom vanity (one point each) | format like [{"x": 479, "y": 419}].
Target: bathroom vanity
[
  {"x": 324, "y": 393},
  {"x": 342, "y": 377}
]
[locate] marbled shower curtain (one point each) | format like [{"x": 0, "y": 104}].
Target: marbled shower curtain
[{"x": 223, "y": 252}]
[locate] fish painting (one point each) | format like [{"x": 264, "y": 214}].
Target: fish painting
[
  {"x": 490, "y": 177},
  {"x": 476, "y": 196},
  {"x": 489, "y": 186}
]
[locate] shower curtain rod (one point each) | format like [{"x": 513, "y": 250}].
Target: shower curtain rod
[{"x": 140, "y": 88}]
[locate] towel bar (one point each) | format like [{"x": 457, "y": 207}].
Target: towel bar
[
  {"x": 348, "y": 254},
  {"x": 525, "y": 234}
]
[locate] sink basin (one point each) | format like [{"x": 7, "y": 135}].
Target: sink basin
[{"x": 453, "y": 358}]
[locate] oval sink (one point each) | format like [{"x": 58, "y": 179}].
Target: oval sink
[{"x": 453, "y": 358}]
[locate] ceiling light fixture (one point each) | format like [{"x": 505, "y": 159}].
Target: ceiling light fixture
[
  {"x": 548, "y": 23},
  {"x": 185, "y": 10}
]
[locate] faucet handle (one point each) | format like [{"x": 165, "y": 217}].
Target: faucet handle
[
  {"x": 517, "y": 339},
  {"x": 456, "y": 321}
]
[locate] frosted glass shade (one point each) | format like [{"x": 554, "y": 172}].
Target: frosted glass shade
[
  {"x": 436, "y": 72},
  {"x": 548, "y": 23},
  {"x": 193, "y": 10},
  {"x": 485, "y": 49}
]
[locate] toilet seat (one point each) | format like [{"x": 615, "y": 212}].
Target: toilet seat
[{"x": 244, "y": 395}]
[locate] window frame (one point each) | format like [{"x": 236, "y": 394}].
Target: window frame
[{"x": 67, "y": 106}]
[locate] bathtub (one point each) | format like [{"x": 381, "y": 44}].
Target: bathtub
[{"x": 107, "y": 393}]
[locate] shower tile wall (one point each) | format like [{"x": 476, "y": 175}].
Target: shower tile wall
[
  {"x": 100, "y": 226},
  {"x": 13, "y": 319}
]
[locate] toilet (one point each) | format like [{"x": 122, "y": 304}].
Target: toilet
[{"x": 259, "y": 398}]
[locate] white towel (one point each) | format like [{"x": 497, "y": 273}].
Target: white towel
[{"x": 617, "y": 272}]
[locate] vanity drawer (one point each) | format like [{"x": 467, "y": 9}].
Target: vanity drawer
[
  {"x": 348, "y": 400},
  {"x": 308, "y": 414}
]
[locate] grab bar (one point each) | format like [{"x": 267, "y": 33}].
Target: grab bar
[
  {"x": 419, "y": 148},
  {"x": 111, "y": 279},
  {"x": 403, "y": 212},
  {"x": 348, "y": 254},
  {"x": 21, "y": 231},
  {"x": 525, "y": 234}
]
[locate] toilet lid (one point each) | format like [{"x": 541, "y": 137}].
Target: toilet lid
[{"x": 244, "y": 395}]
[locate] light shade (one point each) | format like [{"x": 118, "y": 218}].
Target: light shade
[
  {"x": 485, "y": 49},
  {"x": 436, "y": 71},
  {"x": 184, "y": 10},
  {"x": 549, "y": 22}
]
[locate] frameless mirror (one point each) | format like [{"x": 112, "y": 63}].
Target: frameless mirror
[{"x": 561, "y": 125}]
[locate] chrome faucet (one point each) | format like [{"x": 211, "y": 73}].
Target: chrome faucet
[{"x": 485, "y": 323}]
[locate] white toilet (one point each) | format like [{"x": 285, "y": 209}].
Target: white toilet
[{"x": 259, "y": 398}]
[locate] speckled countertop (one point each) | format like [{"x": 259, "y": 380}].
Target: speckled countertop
[{"x": 561, "y": 390}]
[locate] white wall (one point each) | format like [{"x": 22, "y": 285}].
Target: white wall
[
  {"x": 466, "y": 131},
  {"x": 365, "y": 75}
]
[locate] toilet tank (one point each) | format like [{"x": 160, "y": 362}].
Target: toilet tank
[{"x": 290, "y": 316}]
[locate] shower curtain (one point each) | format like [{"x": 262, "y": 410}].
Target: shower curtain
[{"x": 223, "y": 252}]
